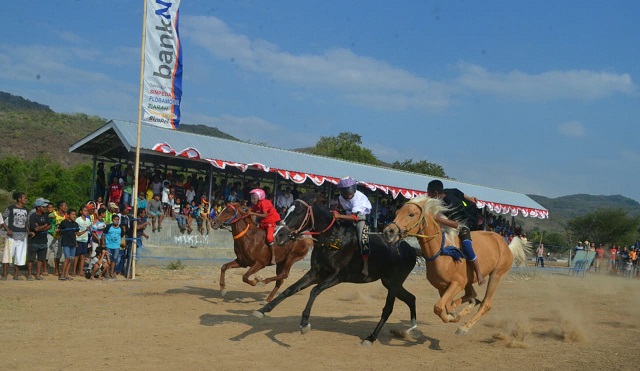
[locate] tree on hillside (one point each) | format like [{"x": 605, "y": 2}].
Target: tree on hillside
[
  {"x": 347, "y": 146},
  {"x": 605, "y": 226},
  {"x": 422, "y": 167},
  {"x": 42, "y": 177}
]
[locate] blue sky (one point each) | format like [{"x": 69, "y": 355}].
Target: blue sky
[{"x": 537, "y": 97}]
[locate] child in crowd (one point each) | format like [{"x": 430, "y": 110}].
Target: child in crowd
[
  {"x": 69, "y": 231},
  {"x": 111, "y": 239},
  {"x": 99, "y": 261},
  {"x": 82, "y": 239},
  {"x": 178, "y": 215}
]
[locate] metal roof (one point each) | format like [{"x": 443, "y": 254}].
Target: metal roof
[{"x": 119, "y": 137}]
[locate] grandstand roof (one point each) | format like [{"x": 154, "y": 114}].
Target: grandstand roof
[{"x": 117, "y": 139}]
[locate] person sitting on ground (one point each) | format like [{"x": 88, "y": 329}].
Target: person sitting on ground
[
  {"x": 264, "y": 209},
  {"x": 459, "y": 212},
  {"x": 99, "y": 262},
  {"x": 357, "y": 208}
]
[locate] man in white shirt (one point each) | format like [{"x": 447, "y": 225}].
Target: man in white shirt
[
  {"x": 285, "y": 199},
  {"x": 357, "y": 207}
]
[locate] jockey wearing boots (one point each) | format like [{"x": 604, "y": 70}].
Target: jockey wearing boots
[
  {"x": 357, "y": 207},
  {"x": 264, "y": 209},
  {"x": 458, "y": 213}
]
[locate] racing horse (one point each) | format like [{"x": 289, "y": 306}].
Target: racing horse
[
  {"x": 336, "y": 258},
  {"x": 449, "y": 274},
  {"x": 252, "y": 251}
]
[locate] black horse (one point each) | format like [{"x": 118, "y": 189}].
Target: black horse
[{"x": 336, "y": 258}]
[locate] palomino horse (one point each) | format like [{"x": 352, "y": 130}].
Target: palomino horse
[
  {"x": 416, "y": 218},
  {"x": 252, "y": 251},
  {"x": 336, "y": 258}
]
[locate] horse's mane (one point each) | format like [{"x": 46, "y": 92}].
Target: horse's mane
[{"x": 433, "y": 207}]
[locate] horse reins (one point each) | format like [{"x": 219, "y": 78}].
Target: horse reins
[
  {"x": 235, "y": 218},
  {"x": 308, "y": 216}
]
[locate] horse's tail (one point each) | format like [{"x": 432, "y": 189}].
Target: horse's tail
[{"x": 520, "y": 249}]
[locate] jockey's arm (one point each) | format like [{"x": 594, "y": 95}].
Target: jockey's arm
[
  {"x": 446, "y": 222},
  {"x": 473, "y": 199},
  {"x": 350, "y": 217},
  {"x": 264, "y": 215}
]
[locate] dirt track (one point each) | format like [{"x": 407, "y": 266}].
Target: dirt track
[{"x": 177, "y": 320}]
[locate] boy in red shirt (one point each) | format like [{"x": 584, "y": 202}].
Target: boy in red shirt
[
  {"x": 115, "y": 191},
  {"x": 264, "y": 209}
]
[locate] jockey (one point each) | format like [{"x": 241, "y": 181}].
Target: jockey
[
  {"x": 456, "y": 202},
  {"x": 264, "y": 209},
  {"x": 357, "y": 207}
]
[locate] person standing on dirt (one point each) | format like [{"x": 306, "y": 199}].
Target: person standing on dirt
[{"x": 540, "y": 258}]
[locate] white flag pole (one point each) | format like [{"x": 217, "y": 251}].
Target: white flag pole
[{"x": 134, "y": 193}]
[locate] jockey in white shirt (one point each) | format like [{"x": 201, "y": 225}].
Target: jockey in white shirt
[{"x": 357, "y": 207}]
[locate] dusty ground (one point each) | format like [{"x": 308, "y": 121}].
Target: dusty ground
[{"x": 177, "y": 320}]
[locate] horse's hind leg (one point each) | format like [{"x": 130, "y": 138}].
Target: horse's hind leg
[
  {"x": 485, "y": 306},
  {"x": 223, "y": 270},
  {"x": 305, "y": 281}
]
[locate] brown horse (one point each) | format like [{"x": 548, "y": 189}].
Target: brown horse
[
  {"x": 252, "y": 251},
  {"x": 448, "y": 274}
]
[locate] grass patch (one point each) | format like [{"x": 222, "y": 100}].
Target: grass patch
[{"x": 176, "y": 265}]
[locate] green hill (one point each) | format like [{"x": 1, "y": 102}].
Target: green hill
[{"x": 29, "y": 128}]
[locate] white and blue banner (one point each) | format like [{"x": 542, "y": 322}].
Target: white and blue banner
[{"x": 162, "y": 86}]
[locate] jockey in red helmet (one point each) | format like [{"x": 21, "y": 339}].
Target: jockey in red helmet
[
  {"x": 264, "y": 209},
  {"x": 357, "y": 207}
]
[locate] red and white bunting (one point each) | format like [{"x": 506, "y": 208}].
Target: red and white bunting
[{"x": 300, "y": 177}]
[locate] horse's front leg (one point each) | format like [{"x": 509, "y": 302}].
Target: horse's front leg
[
  {"x": 223, "y": 269},
  {"x": 305, "y": 281},
  {"x": 305, "y": 326},
  {"x": 254, "y": 269},
  {"x": 446, "y": 299}
]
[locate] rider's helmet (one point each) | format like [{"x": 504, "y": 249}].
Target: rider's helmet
[
  {"x": 258, "y": 192},
  {"x": 347, "y": 187}
]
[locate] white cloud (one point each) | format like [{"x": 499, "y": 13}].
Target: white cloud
[
  {"x": 573, "y": 129},
  {"x": 255, "y": 130},
  {"x": 359, "y": 79},
  {"x": 545, "y": 86}
]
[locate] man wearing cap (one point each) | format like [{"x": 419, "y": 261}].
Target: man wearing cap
[{"x": 37, "y": 239}]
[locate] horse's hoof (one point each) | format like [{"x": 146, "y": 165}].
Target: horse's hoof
[
  {"x": 366, "y": 343},
  {"x": 223, "y": 293},
  {"x": 258, "y": 314},
  {"x": 305, "y": 329},
  {"x": 462, "y": 331},
  {"x": 260, "y": 284}
]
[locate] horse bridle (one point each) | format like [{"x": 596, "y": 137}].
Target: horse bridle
[
  {"x": 236, "y": 217},
  {"x": 308, "y": 216},
  {"x": 404, "y": 233}
]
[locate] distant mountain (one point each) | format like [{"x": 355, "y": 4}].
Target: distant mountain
[
  {"x": 206, "y": 130},
  {"x": 562, "y": 209}
]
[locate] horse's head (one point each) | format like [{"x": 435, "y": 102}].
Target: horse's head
[
  {"x": 299, "y": 218},
  {"x": 229, "y": 215},
  {"x": 412, "y": 219}
]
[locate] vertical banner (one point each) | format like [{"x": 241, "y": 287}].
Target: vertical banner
[{"x": 162, "y": 87}]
